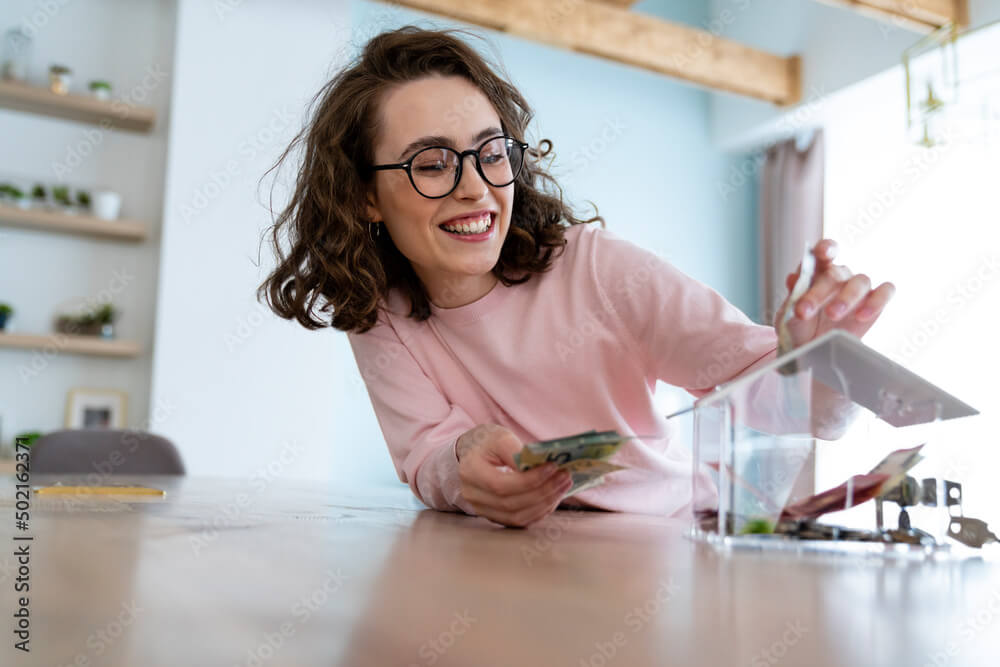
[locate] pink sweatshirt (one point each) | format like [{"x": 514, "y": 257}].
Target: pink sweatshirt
[{"x": 578, "y": 347}]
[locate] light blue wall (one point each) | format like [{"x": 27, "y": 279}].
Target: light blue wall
[{"x": 659, "y": 182}]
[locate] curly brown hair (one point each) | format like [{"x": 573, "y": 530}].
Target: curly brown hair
[{"x": 332, "y": 254}]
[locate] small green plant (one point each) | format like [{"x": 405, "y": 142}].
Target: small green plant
[
  {"x": 6, "y": 310},
  {"x": 12, "y": 191},
  {"x": 106, "y": 314},
  {"x": 83, "y": 198},
  {"x": 757, "y": 526},
  {"x": 60, "y": 195},
  {"x": 98, "y": 84},
  {"x": 38, "y": 191},
  {"x": 28, "y": 437},
  {"x": 88, "y": 321}
]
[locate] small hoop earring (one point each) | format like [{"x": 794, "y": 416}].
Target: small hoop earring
[{"x": 378, "y": 231}]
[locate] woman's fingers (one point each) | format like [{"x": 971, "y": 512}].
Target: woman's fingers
[
  {"x": 524, "y": 509},
  {"x": 826, "y": 251},
  {"x": 495, "y": 488},
  {"x": 546, "y": 509},
  {"x": 516, "y": 502},
  {"x": 824, "y": 288},
  {"x": 481, "y": 474},
  {"x": 875, "y": 302},
  {"x": 850, "y": 294}
]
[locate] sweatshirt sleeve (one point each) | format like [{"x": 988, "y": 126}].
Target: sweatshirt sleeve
[
  {"x": 687, "y": 334},
  {"x": 419, "y": 425}
]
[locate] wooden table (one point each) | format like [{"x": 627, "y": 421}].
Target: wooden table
[{"x": 273, "y": 572}]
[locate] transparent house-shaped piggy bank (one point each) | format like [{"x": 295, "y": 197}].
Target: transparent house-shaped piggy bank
[{"x": 756, "y": 441}]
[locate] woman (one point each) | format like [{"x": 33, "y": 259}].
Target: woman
[{"x": 481, "y": 312}]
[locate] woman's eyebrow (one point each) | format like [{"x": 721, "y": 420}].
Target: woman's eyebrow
[{"x": 438, "y": 140}]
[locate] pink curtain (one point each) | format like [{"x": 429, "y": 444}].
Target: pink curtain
[{"x": 791, "y": 214}]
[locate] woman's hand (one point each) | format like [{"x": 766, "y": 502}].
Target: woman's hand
[
  {"x": 837, "y": 299},
  {"x": 493, "y": 485}
]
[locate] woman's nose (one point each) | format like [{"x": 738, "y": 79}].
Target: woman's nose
[{"x": 470, "y": 184}]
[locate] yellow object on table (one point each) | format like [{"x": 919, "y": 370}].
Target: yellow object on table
[{"x": 59, "y": 489}]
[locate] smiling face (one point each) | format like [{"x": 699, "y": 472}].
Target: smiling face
[{"x": 455, "y": 268}]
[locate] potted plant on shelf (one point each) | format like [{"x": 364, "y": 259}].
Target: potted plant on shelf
[
  {"x": 82, "y": 325},
  {"x": 13, "y": 195},
  {"x": 100, "y": 89},
  {"x": 28, "y": 437},
  {"x": 20, "y": 200},
  {"x": 60, "y": 195},
  {"x": 94, "y": 322},
  {"x": 83, "y": 199},
  {"x": 105, "y": 316},
  {"x": 38, "y": 196},
  {"x": 5, "y": 312},
  {"x": 60, "y": 77}
]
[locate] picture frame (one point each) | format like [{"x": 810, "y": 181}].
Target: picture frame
[{"x": 88, "y": 407}]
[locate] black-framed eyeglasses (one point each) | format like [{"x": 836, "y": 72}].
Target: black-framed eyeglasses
[{"x": 435, "y": 171}]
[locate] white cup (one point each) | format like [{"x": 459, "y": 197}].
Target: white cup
[{"x": 106, "y": 204}]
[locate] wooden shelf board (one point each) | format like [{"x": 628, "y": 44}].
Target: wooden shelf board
[
  {"x": 72, "y": 344},
  {"x": 21, "y": 96},
  {"x": 34, "y": 218}
]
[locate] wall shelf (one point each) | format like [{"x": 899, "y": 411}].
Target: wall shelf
[
  {"x": 88, "y": 225},
  {"x": 81, "y": 108},
  {"x": 72, "y": 344}
]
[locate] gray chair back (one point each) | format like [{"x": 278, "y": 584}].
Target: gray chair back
[{"x": 105, "y": 452}]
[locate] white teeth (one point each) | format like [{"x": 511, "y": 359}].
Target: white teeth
[{"x": 473, "y": 227}]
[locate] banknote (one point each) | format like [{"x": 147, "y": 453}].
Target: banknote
[
  {"x": 860, "y": 488},
  {"x": 896, "y": 465},
  {"x": 583, "y": 454},
  {"x": 785, "y": 343},
  {"x": 588, "y": 445},
  {"x": 588, "y": 473}
]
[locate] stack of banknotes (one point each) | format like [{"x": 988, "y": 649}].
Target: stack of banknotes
[{"x": 584, "y": 455}]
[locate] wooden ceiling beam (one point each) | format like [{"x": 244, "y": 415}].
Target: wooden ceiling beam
[
  {"x": 599, "y": 29},
  {"x": 624, "y": 4},
  {"x": 918, "y": 15}
]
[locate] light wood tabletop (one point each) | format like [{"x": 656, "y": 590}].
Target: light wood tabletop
[{"x": 281, "y": 572}]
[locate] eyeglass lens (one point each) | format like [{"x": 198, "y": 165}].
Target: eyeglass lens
[{"x": 434, "y": 170}]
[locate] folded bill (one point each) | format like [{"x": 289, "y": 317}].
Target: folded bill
[
  {"x": 588, "y": 473},
  {"x": 582, "y": 454},
  {"x": 807, "y": 268},
  {"x": 896, "y": 465},
  {"x": 883, "y": 478}
]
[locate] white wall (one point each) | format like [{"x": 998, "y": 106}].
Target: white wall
[
  {"x": 926, "y": 220},
  {"x": 839, "y": 47},
  {"x": 130, "y": 44},
  {"x": 241, "y": 386},
  {"x": 244, "y": 389},
  {"x": 920, "y": 218}
]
